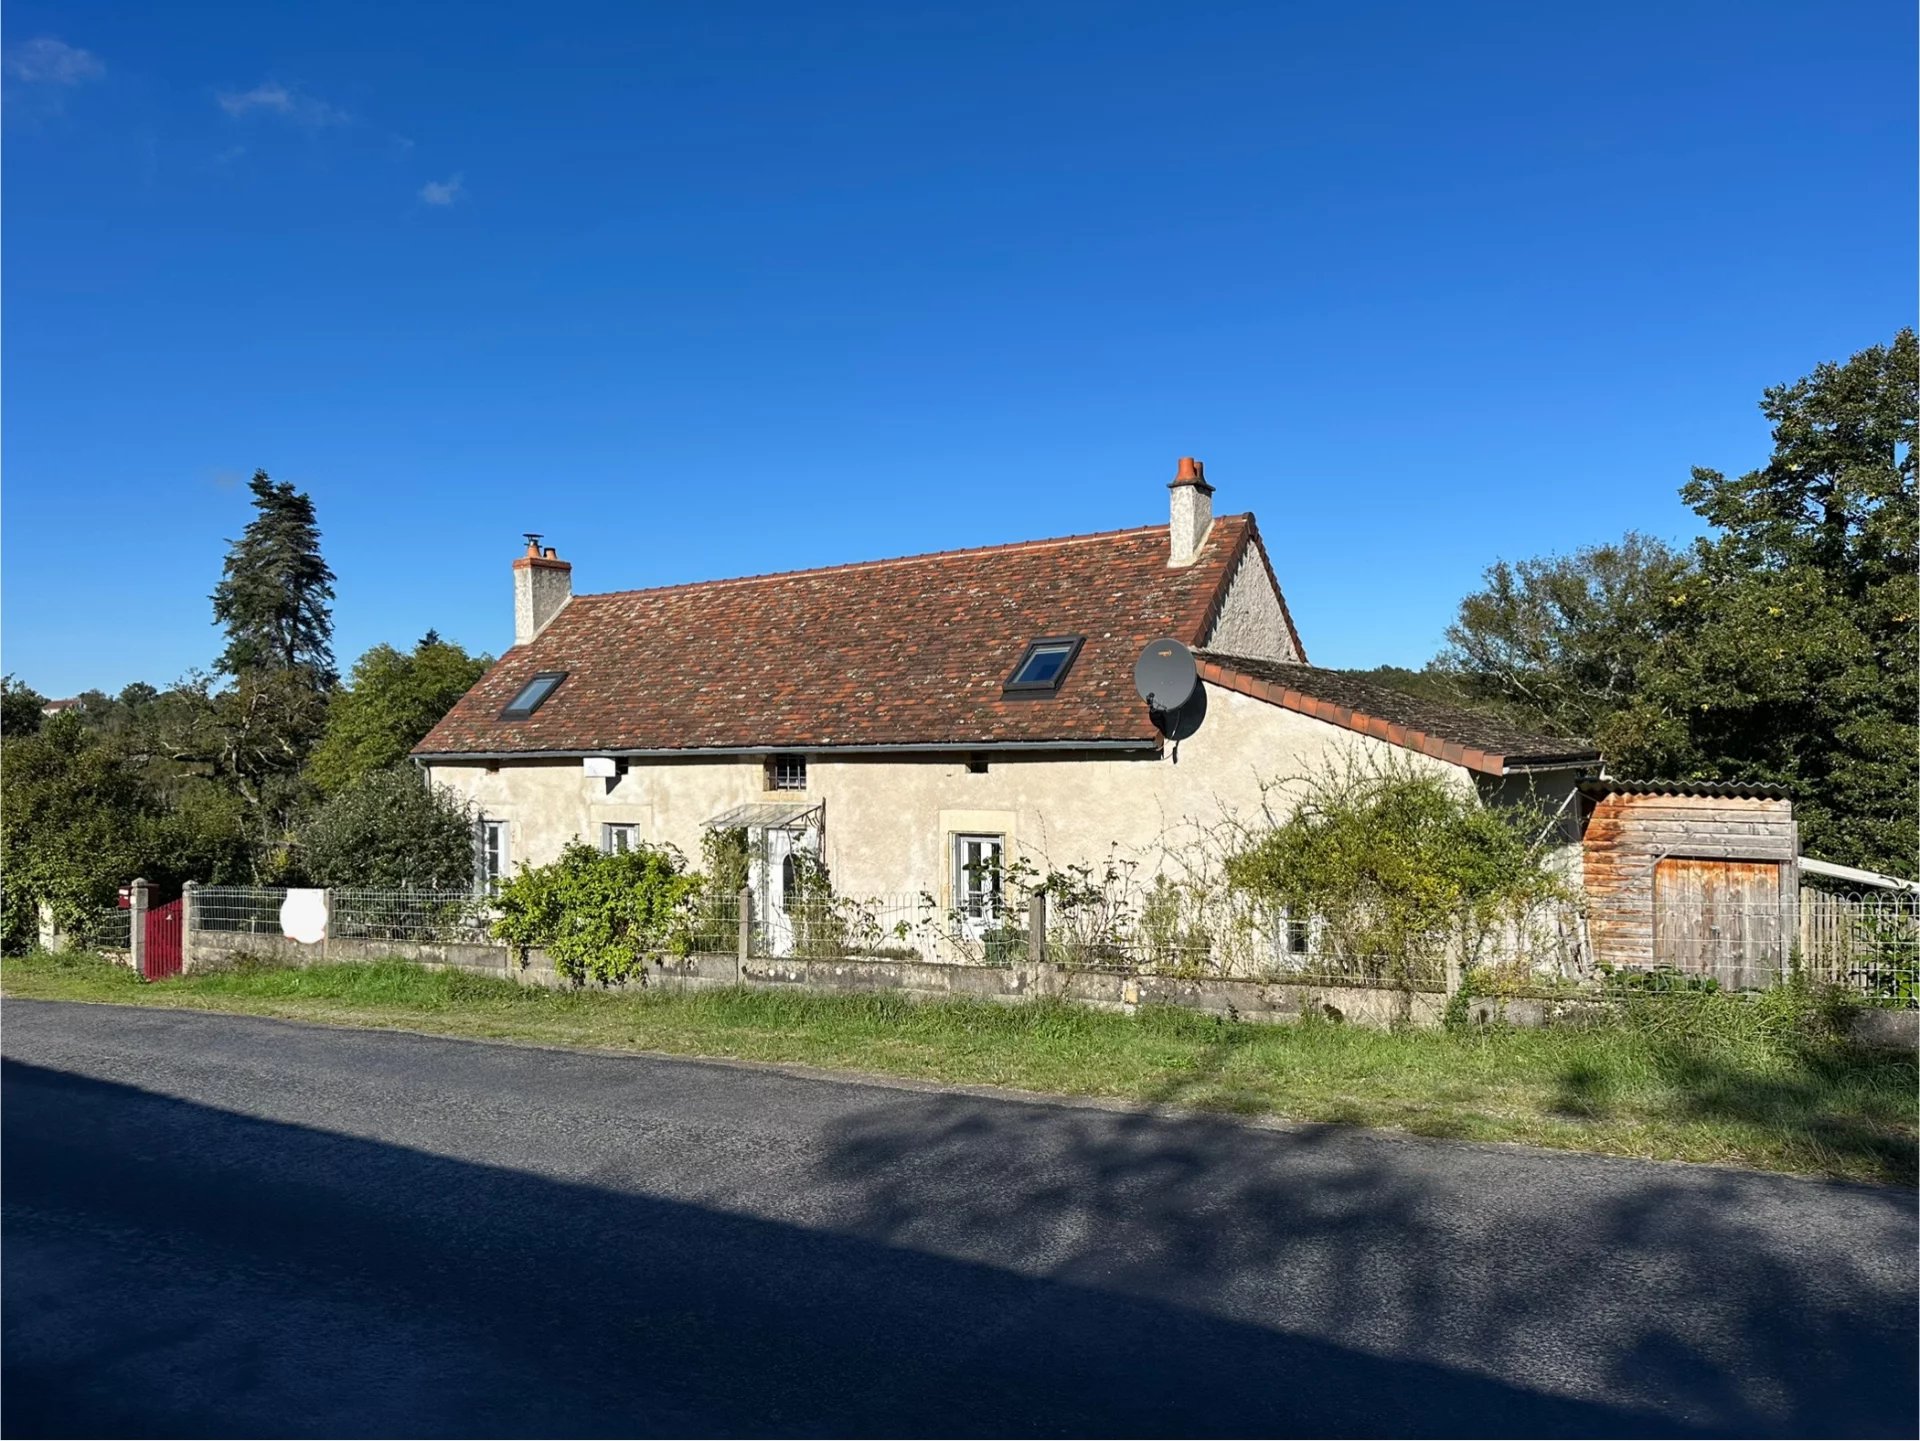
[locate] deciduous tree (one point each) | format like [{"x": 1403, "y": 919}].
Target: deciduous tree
[{"x": 387, "y": 707}]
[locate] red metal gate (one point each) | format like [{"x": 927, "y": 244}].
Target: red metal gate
[{"x": 163, "y": 941}]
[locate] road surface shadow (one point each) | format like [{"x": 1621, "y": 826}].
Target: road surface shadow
[
  {"x": 173, "y": 1269},
  {"x": 1695, "y": 1291}
]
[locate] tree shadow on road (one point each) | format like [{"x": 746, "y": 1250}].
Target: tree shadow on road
[
  {"x": 176, "y": 1269},
  {"x": 1692, "y": 1290},
  {"x": 964, "y": 1267}
]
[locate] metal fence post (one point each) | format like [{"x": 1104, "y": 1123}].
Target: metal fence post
[
  {"x": 137, "y": 940},
  {"x": 1037, "y": 927},
  {"x": 188, "y": 900},
  {"x": 1455, "y": 972},
  {"x": 746, "y": 935}
]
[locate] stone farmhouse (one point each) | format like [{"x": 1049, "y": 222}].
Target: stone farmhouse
[{"x": 912, "y": 722}]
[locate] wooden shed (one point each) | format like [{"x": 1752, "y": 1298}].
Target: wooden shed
[{"x": 1701, "y": 876}]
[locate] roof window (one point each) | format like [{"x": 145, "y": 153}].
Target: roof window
[
  {"x": 1044, "y": 666},
  {"x": 533, "y": 695}
]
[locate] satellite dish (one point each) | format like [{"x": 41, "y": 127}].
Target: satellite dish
[{"x": 1164, "y": 675}]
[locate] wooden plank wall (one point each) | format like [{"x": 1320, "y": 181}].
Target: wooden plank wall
[{"x": 1628, "y": 835}]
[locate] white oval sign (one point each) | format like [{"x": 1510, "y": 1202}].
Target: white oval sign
[{"x": 303, "y": 916}]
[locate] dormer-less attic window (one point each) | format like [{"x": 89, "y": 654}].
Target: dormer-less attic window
[
  {"x": 1043, "y": 667},
  {"x": 533, "y": 695}
]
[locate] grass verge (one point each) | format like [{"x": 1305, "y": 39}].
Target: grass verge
[{"x": 1760, "y": 1083}]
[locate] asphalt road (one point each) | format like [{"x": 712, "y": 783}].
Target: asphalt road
[{"x": 223, "y": 1226}]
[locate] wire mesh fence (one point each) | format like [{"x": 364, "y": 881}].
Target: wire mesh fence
[
  {"x": 1237, "y": 938},
  {"x": 891, "y": 928},
  {"x": 353, "y": 914},
  {"x": 109, "y": 928},
  {"x": 404, "y": 915},
  {"x": 249, "y": 910},
  {"x": 1868, "y": 944}
]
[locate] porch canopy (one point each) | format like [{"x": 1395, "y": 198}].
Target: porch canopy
[{"x": 767, "y": 816}]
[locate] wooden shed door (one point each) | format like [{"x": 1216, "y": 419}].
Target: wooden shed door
[{"x": 1719, "y": 918}]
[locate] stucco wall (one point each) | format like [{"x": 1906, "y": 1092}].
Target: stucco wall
[
  {"x": 890, "y": 819},
  {"x": 1251, "y": 621}
]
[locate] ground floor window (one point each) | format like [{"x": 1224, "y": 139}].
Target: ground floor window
[
  {"x": 977, "y": 864},
  {"x": 1299, "y": 934},
  {"x": 619, "y": 837},
  {"x": 495, "y": 856}
]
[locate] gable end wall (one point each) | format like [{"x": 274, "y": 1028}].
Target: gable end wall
[{"x": 1252, "y": 622}]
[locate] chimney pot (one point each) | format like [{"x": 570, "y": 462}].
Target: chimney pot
[{"x": 1191, "y": 512}]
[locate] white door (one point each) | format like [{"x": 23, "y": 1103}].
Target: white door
[
  {"x": 976, "y": 883},
  {"x": 774, "y": 888}
]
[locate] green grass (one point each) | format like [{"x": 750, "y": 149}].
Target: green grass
[{"x": 1698, "y": 1078}]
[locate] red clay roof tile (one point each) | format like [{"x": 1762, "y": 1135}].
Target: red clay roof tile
[{"x": 909, "y": 652}]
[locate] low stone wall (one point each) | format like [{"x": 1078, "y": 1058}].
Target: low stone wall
[
  {"x": 921, "y": 980},
  {"x": 211, "y": 950},
  {"x": 1886, "y": 1030}
]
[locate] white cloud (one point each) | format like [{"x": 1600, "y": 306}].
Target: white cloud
[
  {"x": 272, "y": 98},
  {"x": 48, "y": 61},
  {"x": 442, "y": 192}
]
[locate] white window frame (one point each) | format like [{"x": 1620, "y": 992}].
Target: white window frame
[
  {"x": 793, "y": 765},
  {"x": 618, "y": 838},
  {"x": 496, "y": 854},
  {"x": 979, "y": 901},
  {"x": 1296, "y": 938}
]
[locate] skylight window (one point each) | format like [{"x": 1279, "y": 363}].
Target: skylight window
[
  {"x": 1044, "y": 666},
  {"x": 533, "y": 695}
]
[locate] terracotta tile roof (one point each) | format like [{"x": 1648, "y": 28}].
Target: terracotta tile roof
[
  {"x": 910, "y": 653},
  {"x": 1470, "y": 738}
]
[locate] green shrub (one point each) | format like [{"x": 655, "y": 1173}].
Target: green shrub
[
  {"x": 389, "y": 829},
  {"x": 1398, "y": 866},
  {"x": 602, "y": 917}
]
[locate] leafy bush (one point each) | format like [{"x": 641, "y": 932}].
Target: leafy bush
[
  {"x": 1398, "y": 865},
  {"x": 602, "y": 917},
  {"x": 76, "y": 823},
  {"x": 389, "y": 829}
]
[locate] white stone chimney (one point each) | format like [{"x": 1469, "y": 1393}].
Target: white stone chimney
[
  {"x": 1192, "y": 515},
  {"x": 542, "y": 584}
]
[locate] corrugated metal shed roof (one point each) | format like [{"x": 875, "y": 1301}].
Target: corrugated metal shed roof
[{"x": 1753, "y": 790}]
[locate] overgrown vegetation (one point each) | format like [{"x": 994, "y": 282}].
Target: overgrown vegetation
[
  {"x": 266, "y": 772},
  {"x": 1397, "y": 868},
  {"x": 601, "y": 916},
  {"x": 389, "y": 829},
  {"x": 1763, "y": 1081}
]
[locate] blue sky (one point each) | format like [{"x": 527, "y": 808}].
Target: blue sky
[{"x": 714, "y": 289}]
